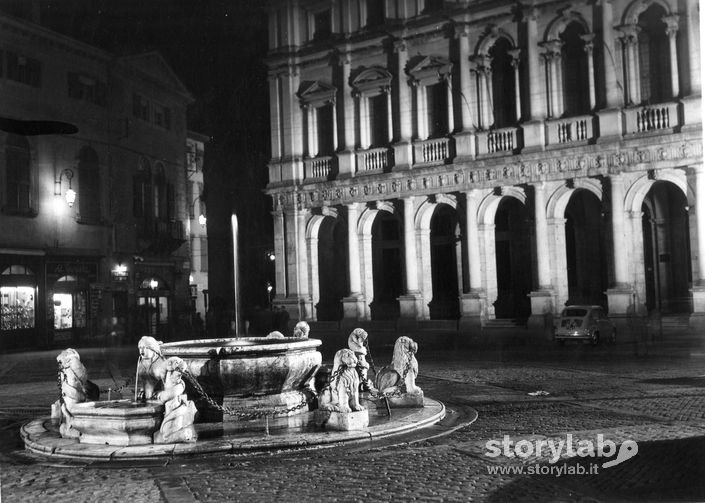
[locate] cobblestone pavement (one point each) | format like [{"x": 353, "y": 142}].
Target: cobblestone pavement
[{"x": 657, "y": 401}]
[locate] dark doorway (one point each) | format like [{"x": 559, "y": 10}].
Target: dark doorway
[
  {"x": 332, "y": 268},
  {"x": 585, "y": 253},
  {"x": 513, "y": 253},
  {"x": 667, "y": 263},
  {"x": 387, "y": 266},
  {"x": 444, "y": 264}
]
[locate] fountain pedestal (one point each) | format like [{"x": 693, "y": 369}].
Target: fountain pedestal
[{"x": 116, "y": 422}]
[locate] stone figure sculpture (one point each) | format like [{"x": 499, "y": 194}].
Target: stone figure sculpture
[
  {"x": 151, "y": 368},
  {"x": 357, "y": 342},
  {"x": 179, "y": 411},
  {"x": 400, "y": 375},
  {"x": 301, "y": 329},
  {"x": 343, "y": 395},
  {"x": 75, "y": 388}
]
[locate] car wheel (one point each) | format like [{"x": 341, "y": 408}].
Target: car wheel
[{"x": 595, "y": 338}]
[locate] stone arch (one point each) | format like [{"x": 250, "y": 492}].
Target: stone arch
[
  {"x": 636, "y": 8},
  {"x": 367, "y": 218},
  {"x": 488, "y": 206},
  {"x": 637, "y": 191},
  {"x": 424, "y": 213},
  {"x": 493, "y": 34},
  {"x": 559, "y": 199},
  {"x": 559, "y": 24}
]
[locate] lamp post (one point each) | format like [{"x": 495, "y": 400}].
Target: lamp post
[
  {"x": 201, "y": 215},
  {"x": 269, "y": 294},
  {"x": 154, "y": 286}
]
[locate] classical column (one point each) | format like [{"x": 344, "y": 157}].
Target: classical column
[
  {"x": 465, "y": 90},
  {"x": 619, "y": 295},
  {"x": 302, "y": 265},
  {"x": 514, "y": 53},
  {"x": 621, "y": 270},
  {"x": 588, "y": 46},
  {"x": 542, "y": 245},
  {"x": 692, "y": 26},
  {"x": 671, "y": 32},
  {"x": 472, "y": 302},
  {"x": 312, "y": 136},
  {"x": 292, "y": 128},
  {"x": 421, "y": 112},
  {"x": 629, "y": 40},
  {"x": 552, "y": 57},
  {"x": 405, "y": 104},
  {"x": 346, "y": 157},
  {"x": 403, "y": 157},
  {"x": 537, "y": 99},
  {"x": 614, "y": 97},
  {"x": 334, "y": 109},
  {"x": 280, "y": 251},
  {"x": 390, "y": 117},
  {"x": 700, "y": 223},
  {"x": 274, "y": 115},
  {"x": 364, "y": 107},
  {"x": 314, "y": 287},
  {"x": 542, "y": 304},
  {"x": 410, "y": 302},
  {"x": 697, "y": 319},
  {"x": 353, "y": 306},
  {"x": 449, "y": 87}
]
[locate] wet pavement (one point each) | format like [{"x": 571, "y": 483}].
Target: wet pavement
[{"x": 655, "y": 398}]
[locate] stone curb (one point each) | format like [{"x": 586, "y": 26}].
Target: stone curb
[{"x": 40, "y": 438}]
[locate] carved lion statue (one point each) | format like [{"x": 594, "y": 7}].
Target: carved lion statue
[
  {"x": 75, "y": 388},
  {"x": 401, "y": 374},
  {"x": 152, "y": 367},
  {"x": 301, "y": 330},
  {"x": 357, "y": 342},
  {"x": 344, "y": 392}
]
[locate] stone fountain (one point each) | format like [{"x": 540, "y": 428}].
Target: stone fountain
[{"x": 233, "y": 395}]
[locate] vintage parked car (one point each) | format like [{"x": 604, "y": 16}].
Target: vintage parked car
[{"x": 584, "y": 323}]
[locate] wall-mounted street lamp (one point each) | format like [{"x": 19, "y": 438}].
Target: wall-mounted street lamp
[
  {"x": 70, "y": 193},
  {"x": 153, "y": 284},
  {"x": 202, "y": 215},
  {"x": 270, "y": 255}
]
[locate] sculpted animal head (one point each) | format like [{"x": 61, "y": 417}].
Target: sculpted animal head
[
  {"x": 357, "y": 341},
  {"x": 149, "y": 348},
  {"x": 69, "y": 358},
  {"x": 344, "y": 358},
  {"x": 301, "y": 329},
  {"x": 404, "y": 350}
]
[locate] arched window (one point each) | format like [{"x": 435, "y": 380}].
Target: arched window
[
  {"x": 576, "y": 86},
  {"x": 17, "y": 174},
  {"x": 654, "y": 58},
  {"x": 503, "y": 92},
  {"x": 89, "y": 185}
]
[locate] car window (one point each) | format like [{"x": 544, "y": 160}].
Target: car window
[{"x": 574, "y": 312}]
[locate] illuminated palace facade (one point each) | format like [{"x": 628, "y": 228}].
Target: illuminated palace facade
[
  {"x": 485, "y": 160},
  {"x": 115, "y": 262}
]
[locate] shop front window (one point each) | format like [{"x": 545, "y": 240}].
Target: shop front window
[
  {"x": 69, "y": 305},
  {"x": 17, "y": 307}
]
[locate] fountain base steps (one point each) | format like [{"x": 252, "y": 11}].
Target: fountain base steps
[{"x": 41, "y": 436}]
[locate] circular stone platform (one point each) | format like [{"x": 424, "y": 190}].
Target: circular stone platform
[{"x": 41, "y": 436}]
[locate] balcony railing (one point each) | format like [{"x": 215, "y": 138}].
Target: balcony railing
[
  {"x": 374, "y": 159},
  {"x": 318, "y": 167},
  {"x": 651, "y": 118},
  {"x": 570, "y": 130},
  {"x": 436, "y": 150},
  {"x": 497, "y": 140}
]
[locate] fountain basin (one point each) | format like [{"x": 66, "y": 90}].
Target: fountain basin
[
  {"x": 117, "y": 422},
  {"x": 251, "y": 371}
]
